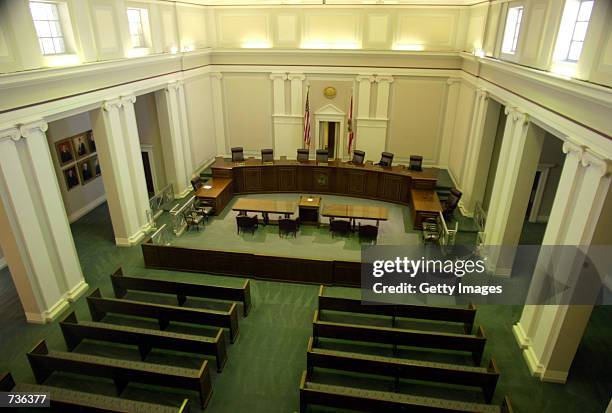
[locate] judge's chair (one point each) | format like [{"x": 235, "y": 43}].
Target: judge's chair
[
  {"x": 267, "y": 155},
  {"x": 451, "y": 203},
  {"x": 322, "y": 155},
  {"x": 416, "y": 163},
  {"x": 386, "y": 159},
  {"x": 238, "y": 154},
  {"x": 358, "y": 157},
  {"x": 303, "y": 155},
  {"x": 196, "y": 183}
]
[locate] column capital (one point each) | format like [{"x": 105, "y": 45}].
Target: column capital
[
  {"x": 591, "y": 160},
  {"x": 278, "y": 76},
  {"x": 216, "y": 75},
  {"x": 516, "y": 115},
  {"x": 27, "y": 128},
  {"x": 453, "y": 80},
  {"x": 296, "y": 76},
  {"x": 363, "y": 78},
  {"x": 384, "y": 78},
  {"x": 172, "y": 86},
  {"x": 10, "y": 133},
  {"x": 111, "y": 104},
  {"x": 125, "y": 99},
  {"x": 573, "y": 148},
  {"x": 482, "y": 93}
]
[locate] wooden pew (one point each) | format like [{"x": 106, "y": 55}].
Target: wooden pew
[
  {"x": 452, "y": 314},
  {"x": 380, "y": 401},
  {"x": 64, "y": 400},
  {"x": 99, "y": 307},
  {"x": 182, "y": 290},
  {"x": 402, "y": 337},
  {"x": 45, "y": 362},
  {"x": 74, "y": 332},
  {"x": 485, "y": 378}
]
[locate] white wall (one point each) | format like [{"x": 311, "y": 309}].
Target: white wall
[
  {"x": 198, "y": 94},
  {"x": 459, "y": 143},
  {"x": 82, "y": 198}
]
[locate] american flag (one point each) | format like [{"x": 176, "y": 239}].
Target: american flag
[
  {"x": 351, "y": 134},
  {"x": 307, "y": 121}
]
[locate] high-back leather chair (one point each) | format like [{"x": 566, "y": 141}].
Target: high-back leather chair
[
  {"x": 416, "y": 163},
  {"x": 386, "y": 159},
  {"x": 302, "y": 155},
  {"x": 267, "y": 155},
  {"x": 322, "y": 155},
  {"x": 196, "y": 183},
  {"x": 238, "y": 154},
  {"x": 358, "y": 157},
  {"x": 451, "y": 203}
]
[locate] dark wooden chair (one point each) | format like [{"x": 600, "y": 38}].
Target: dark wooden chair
[
  {"x": 339, "y": 226},
  {"x": 416, "y": 163},
  {"x": 193, "y": 220},
  {"x": 386, "y": 159},
  {"x": 368, "y": 233},
  {"x": 288, "y": 226},
  {"x": 451, "y": 204},
  {"x": 322, "y": 155},
  {"x": 203, "y": 208},
  {"x": 196, "y": 183},
  {"x": 238, "y": 154},
  {"x": 431, "y": 230},
  {"x": 303, "y": 155},
  {"x": 267, "y": 155},
  {"x": 246, "y": 223},
  {"x": 358, "y": 157}
]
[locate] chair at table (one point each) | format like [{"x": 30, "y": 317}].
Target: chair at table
[
  {"x": 431, "y": 230},
  {"x": 322, "y": 155},
  {"x": 339, "y": 227},
  {"x": 203, "y": 208},
  {"x": 368, "y": 233},
  {"x": 238, "y": 154},
  {"x": 246, "y": 223},
  {"x": 288, "y": 226},
  {"x": 196, "y": 183},
  {"x": 267, "y": 155},
  {"x": 386, "y": 159},
  {"x": 303, "y": 155},
  {"x": 451, "y": 203},
  {"x": 416, "y": 163},
  {"x": 358, "y": 157},
  {"x": 193, "y": 220}
]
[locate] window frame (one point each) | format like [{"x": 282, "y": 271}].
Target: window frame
[
  {"x": 143, "y": 43},
  {"x": 60, "y": 27},
  {"x": 516, "y": 33},
  {"x": 574, "y": 25}
]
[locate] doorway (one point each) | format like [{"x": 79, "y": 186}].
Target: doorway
[
  {"x": 146, "y": 163},
  {"x": 329, "y": 133}
]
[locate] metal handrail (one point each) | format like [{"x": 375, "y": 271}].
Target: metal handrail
[
  {"x": 447, "y": 236},
  {"x": 160, "y": 237},
  {"x": 161, "y": 200},
  {"x": 178, "y": 218}
]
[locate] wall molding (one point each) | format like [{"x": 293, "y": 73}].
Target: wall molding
[{"x": 81, "y": 212}]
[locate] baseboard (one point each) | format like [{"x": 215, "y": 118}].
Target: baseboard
[
  {"x": 3, "y": 263},
  {"x": 452, "y": 177},
  {"x": 132, "y": 240},
  {"x": 535, "y": 368},
  {"x": 86, "y": 209},
  {"x": 205, "y": 165},
  {"x": 77, "y": 291},
  {"x": 49, "y": 315},
  {"x": 520, "y": 336},
  {"x": 554, "y": 376}
]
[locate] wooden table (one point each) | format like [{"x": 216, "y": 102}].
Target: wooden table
[
  {"x": 424, "y": 204},
  {"x": 216, "y": 191},
  {"x": 265, "y": 207},
  {"x": 309, "y": 209},
  {"x": 354, "y": 212}
]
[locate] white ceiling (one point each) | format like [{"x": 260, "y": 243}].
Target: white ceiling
[{"x": 331, "y": 2}]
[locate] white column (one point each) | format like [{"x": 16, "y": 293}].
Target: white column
[
  {"x": 452, "y": 94},
  {"x": 286, "y": 140},
  {"x": 219, "y": 117},
  {"x": 37, "y": 241},
  {"x": 294, "y": 121},
  {"x": 382, "y": 98},
  {"x": 297, "y": 100},
  {"x": 371, "y": 133},
  {"x": 184, "y": 126},
  {"x": 135, "y": 165},
  {"x": 278, "y": 87},
  {"x": 363, "y": 102},
  {"x": 550, "y": 334}
]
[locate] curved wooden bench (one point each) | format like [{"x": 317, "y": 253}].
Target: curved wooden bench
[{"x": 74, "y": 332}]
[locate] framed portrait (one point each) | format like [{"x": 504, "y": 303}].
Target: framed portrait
[
  {"x": 86, "y": 172},
  {"x": 80, "y": 145},
  {"x": 65, "y": 151},
  {"x": 91, "y": 142},
  {"x": 95, "y": 166},
  {"x": 71, "y": 177}
]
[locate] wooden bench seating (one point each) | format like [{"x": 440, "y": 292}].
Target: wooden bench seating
[
  {"x": 485, "y": 378},
  {"x": 451, "y": 314},
  {"x": 45, "y": 362},
  {"x": 99, "y": 307},
  {"x": 182, "y": 290},
  {"x": 66, "y": 400},
  {"x": 146, "y": 339},
  {"x": 402, "y": 337},
  {"x": 379, "y": 401}
]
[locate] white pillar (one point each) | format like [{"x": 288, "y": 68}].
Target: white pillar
[
  {"x": 363, "y": 102},
  {"x": 184, "y": 126},
  {"x": 371, "y": 132},
  {"x": 452, "y": 94},
  {"x": 286, "y": 141},
  {"x": 294, "y": 121},
  {"x": 382, "y": 97},
  {"x": 38, "y": 243},
  {"x": 297, "y": 102},
  {"x": 278, "y": 88},
  {"x": 219, "y": 118}
]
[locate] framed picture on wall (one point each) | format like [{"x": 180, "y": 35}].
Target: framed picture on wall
[
  {"x": 86, "y": 171},
  {"x": 91, "y": 142},
  {"x": 65, "y": 151},
  {"x": 80, "y": 143},
  {"x": 72, "y": 178},
  {"x": 95, "y": 166}
]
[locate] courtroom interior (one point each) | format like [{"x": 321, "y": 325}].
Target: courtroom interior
[{"x": 187, "y": 188}]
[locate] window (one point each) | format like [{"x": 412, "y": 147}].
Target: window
[
  {"x": 579, "y": 30},
  {"x": 513, "y": 27},
  {"x": 136, "y": 21},
  {"x": 48, "y": 27}
]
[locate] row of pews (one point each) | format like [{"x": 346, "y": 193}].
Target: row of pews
[
  {"x": 321, "y": 356},
  {"x": 44, "y": 361}
]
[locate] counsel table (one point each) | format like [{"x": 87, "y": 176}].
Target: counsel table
[
  {"x": 265, "y": 207},
  {"x": 356, "y": 212},
  {"x": 217, "y": 192},
  {"x": 424, "y": 204},
  {"x": 342, "y": 178}
]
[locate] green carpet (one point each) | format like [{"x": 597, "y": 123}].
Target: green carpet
[{"x": 265, "y": 364}]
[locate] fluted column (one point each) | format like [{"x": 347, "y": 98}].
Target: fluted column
[
  {"x": 286, "y": 126},
  {"x": 218, "y": 114},
  {"x": 363, "y": 102},
  {"x": 184, "y": 127},
  {"x": 382, "y": 97},
  {"x": 37, "y": 241},
  {"x": 452, "y": 94},
  {"x": 371, "y": 132},
  {"x": 297, "y": 93},
  {"x": 278, "y": 88}
]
